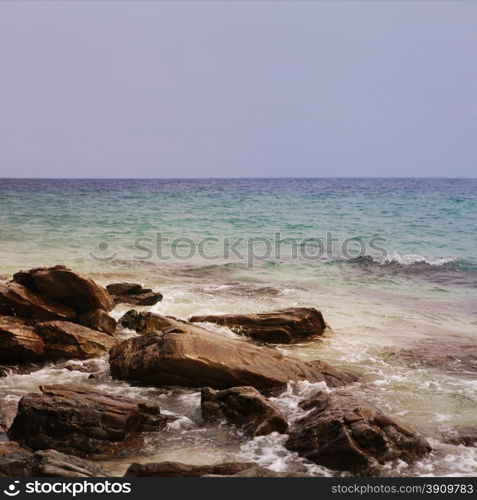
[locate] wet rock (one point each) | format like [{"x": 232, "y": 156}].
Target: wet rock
[
  {"x": 16, "y": 300},
  {"x": 453, "y": 356},
  {"x": 20, "y": 462},
  {"x": 8, "y": 411},
  {"x": 99, "y": 320},
  {"x": 466, "y": 436},
  {"x": 279, "y": 327},
  {"x": 132, "y": 293},
  {"x": 258, "y": 471},
  {"x": 344, "y": 432},
  {"x": 18, "y": 341},
  {"x": 20, "y": 369},
  {"x": 188, "y": 355},
  {"x": 63, "y": 285},
  {"x": 91, "y": 366},
  {"x": 83, "y": 421},
  {"x": 52, "y": 463},
  {"x": 65, "y": 340},
  {"x": 244, "y": 407},
  {"x": 12, "y": 458},
  {"x": 177, "y": 469},
  {"x": 144, "y": 322}
]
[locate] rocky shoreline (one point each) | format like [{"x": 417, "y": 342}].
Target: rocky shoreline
[{"x": 55, "y": 315}]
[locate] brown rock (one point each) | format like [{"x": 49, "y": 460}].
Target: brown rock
[
  {"x": 124, "y": 289},
  {"x": 91, "y": 366},
  {"x": 466, "y": 436},
  {"x": 8, "y": 411},
  {"x": 97, "y": 319},
  {"x": 65, "y": 340},
  {"x": 132, "y": 293},
  {"x": 344, "y": 432},
  {"x": 16, "y": 300},
  {"x": 18, "y": 341},
  {"x": 279, "y": 327},
  {"x": 177, "y": 469},
  {"x": 52, "y": 463},
  {"x": 20, "y": 462},
  {"x": 83, "y": 421},
  {"x": 21, "y": 369},
  {"x": 244, "y": 407},
  {"x": 144, "y": 322},
  {"x": 187, "y": 355},
  {"x": 258, "y": 471},
  {"x": 66, "y": 286},
  {"x": 12, "y": 458}
]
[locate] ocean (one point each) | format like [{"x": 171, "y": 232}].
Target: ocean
[{"x": 391, "y": 263}]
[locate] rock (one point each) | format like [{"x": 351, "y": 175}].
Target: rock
[
  {"x": 124, "y": 289},
  {"x": 63, "y": 285},
  {"x": 144, "y": 322},
  {"x": 18, "y": 341},
  {"x": 244, "y": 407},
  {"x": 132, "y": 293},
  {"x": 83, "y": 421},
  {"x": 466, "y": 436},
  {"x": 12, "y": 458},
  {"x": 20, "y": 369},
  {"x": 177, "y": 469},
  {"x": 20, "y": 462},
  {"x": 97, "y": 319},
  {"x": 279, "y": 327},
  {"x": 258, "y": 471},
  {"x": 91, "y": 366},
  {"x": 65, "y": 340},
  {"x": 52, "y": 463},
  {"x": 187, "y": 355},
  {"x": 8, "y": 411},
  {"x": 455, "y": 355},
  {"x": 16, "y": 300},
  {"x": 344, "y": 432}
]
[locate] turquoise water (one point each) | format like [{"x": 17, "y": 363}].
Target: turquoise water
[{"x": 402, "y": 303}]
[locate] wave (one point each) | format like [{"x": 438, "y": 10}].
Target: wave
[{"x": 397, "y": 260}]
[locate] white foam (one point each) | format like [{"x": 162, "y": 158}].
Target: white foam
[{"x": 410, "y": 259}]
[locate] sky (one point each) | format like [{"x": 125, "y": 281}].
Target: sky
[{"x": 238, "y": 88}]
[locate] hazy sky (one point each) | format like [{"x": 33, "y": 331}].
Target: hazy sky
[{"x": 238, "y": 89}]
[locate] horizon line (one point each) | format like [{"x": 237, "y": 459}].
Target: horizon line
[{"x": 231, "y": 178}]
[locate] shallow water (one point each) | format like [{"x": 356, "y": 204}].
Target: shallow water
[{"x": 405, "y": 322}]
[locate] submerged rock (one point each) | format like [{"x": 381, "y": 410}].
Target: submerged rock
[
  {"x": 83, "y": 421},
  {"x": 132, "y": 293},
  {"x": 65, "y": 340},
  {"x": 17, "y": 300},
  {"x": 278, "y": 327},
  {"x": 187, "y": 355},
  {"x": 177, "y": 469},
  {"x": 466, "y": 436},
  {"x": 18, "y": 341},
  {"x": 244, "y": 407},
  {"x": 63, "y": 285},
  {"x": 99, "y": 320},
  {"x": 456, "y": 355},
  {"x": 344, "y": 432},
  {"x": 20, "y": 462}
]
